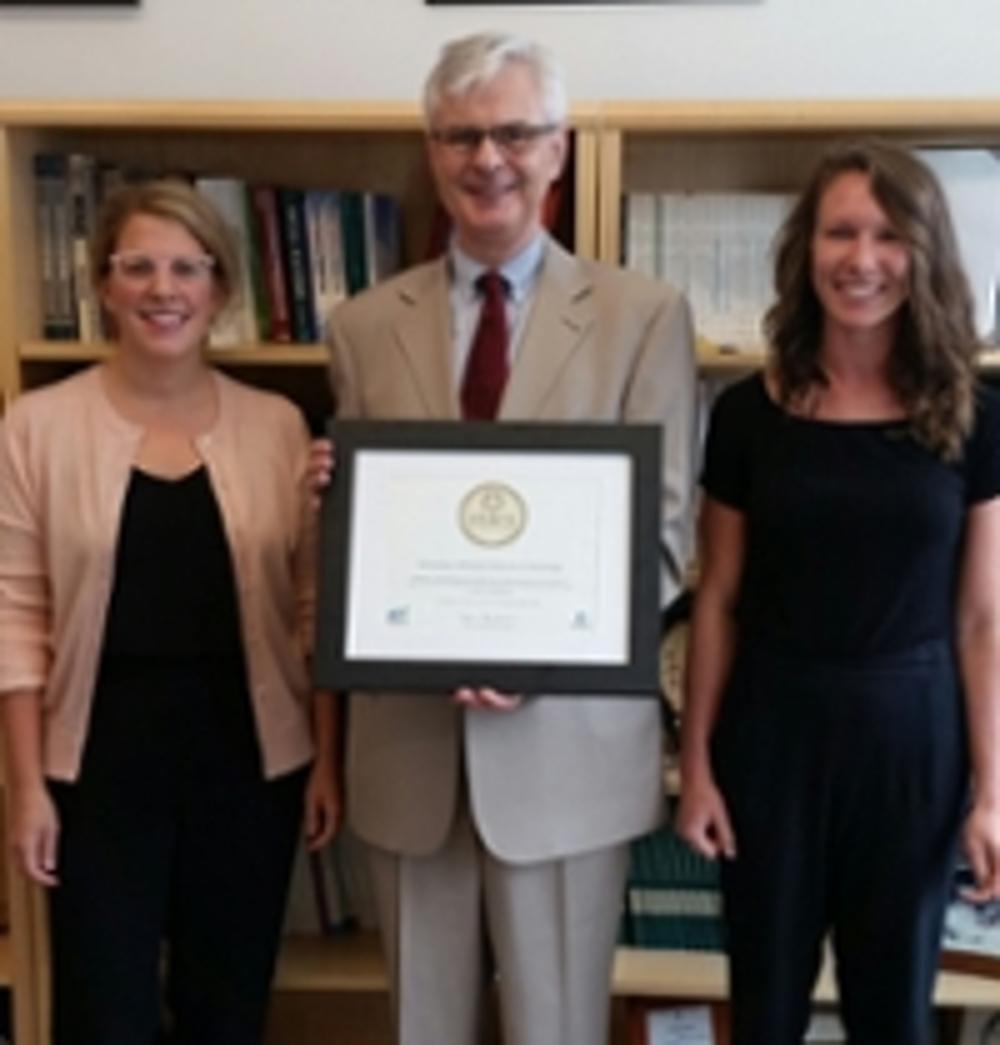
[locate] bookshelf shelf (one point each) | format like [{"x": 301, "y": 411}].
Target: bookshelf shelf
[
  {"x": 279, "y": 117},
  {"x": 700, "y": 975},
  {"x": 954, "y": 120},
  {"x": 275, "y": 355},
  {"x": 349, "y": 962},
  {"x": 353, "y": 962},
  {"x": 721, "y": 360}
]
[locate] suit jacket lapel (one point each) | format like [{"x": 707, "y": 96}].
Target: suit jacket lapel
[
  {"x": 423, "y": 334},
  {"x": 561, "y": 314}
]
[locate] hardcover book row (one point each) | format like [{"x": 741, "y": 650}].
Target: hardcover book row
[{"x": 301, "y": 250}]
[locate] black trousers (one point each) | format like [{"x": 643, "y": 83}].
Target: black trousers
[
  {"x": 170, "y": 835},
  {"x": 846, "y": 784}
]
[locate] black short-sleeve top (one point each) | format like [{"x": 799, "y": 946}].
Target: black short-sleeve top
[{"x": 854, "y": 530}]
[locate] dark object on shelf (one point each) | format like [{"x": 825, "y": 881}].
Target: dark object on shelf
[{"x": 971, "y": 931}]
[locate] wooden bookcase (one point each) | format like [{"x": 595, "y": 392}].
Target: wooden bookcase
[{"x": 617, "y": 148}]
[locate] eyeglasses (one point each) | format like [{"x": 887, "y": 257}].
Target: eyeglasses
[
  {"x": 511, "y": 138},
  {"x": 185, "y": 269}
]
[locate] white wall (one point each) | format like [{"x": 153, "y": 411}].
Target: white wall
[{"x": 381, "y": 48}]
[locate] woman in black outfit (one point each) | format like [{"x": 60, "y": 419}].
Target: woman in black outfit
[{"x": 842, "y": 723}]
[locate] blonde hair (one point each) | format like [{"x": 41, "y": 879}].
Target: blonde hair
[{"x": 172, "y": 200}]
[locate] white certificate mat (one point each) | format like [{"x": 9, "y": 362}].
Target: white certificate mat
[{"x": 512, "y": 555}]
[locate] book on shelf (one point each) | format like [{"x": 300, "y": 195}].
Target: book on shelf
[
  {"x": 52, "y": 211},
  {"x": 352, "y": 226},
  {"x": 382, "y": 242},
  {"x": 970, "y": 179},
  {"x": 83, "y": 205},
  {"x": 326, "y": 250},
  {"x": 258, "y": 275},
  {"x": 111, "y": 177},
  {"x": 672, "y": 897},
  {"x": 265, "y": 205},
  {"x": 641, "y": 239},
  {"x": 297, "y": 262}
]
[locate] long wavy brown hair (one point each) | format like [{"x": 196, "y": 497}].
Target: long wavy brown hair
[{"x": 932, "y": 366}]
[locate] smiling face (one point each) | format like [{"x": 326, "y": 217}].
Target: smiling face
[
  {"x": 165, "y": 309},
  {"x": 495, "y": 194},
  {"x": 860, "y": 264}
]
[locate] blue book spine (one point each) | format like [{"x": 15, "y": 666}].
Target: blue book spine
[
  {"x": 295, "y": 251},
  {"x": 55, "y": 248}
]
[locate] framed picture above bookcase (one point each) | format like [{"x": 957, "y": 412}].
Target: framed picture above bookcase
[
  {"x": 577, "y": 3},
  {"x": 69, "y": 3}
]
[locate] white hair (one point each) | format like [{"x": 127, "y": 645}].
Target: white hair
[{"x": 472, "y": 61}]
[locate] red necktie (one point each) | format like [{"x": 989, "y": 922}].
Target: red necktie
[{"x": 486, "y": 369}]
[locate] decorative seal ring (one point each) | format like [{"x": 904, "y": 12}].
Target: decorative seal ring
[{"x": 492, "y": 514}]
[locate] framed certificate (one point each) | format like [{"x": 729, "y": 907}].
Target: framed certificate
[{"x": 518, "y": 556}]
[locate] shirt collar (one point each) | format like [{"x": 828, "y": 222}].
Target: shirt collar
[{"x": 520, "y": 271}]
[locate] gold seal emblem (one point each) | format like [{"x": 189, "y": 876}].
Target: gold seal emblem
[{"x": 492, "y": 514}]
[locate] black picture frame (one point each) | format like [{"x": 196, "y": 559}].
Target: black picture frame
[
  {"x": 69, "y": 3},
  {"x": 641, "y": 444},
  {"x": 584, "y": 3}
]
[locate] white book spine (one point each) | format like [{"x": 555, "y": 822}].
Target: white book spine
[{"x": 237, "y": 325}]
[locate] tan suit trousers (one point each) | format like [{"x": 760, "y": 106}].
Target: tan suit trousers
[{"x": 550, "y": 927}]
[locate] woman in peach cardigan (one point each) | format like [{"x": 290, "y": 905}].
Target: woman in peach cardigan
[{"x": 155, "y": 612}]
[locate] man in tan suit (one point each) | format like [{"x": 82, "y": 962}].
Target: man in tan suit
[{"x": 497, "y": 826}]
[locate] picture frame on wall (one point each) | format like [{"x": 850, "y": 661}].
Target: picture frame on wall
[
  {"x": 69, "y": 3},
  {"x": 578, "y": 3},
  {"x": 971, "y": 940}
]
